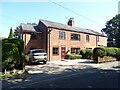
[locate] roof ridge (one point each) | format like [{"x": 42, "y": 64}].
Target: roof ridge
[{"x": 70, "y": 28}]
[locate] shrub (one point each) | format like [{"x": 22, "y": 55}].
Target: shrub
[
  {"x": 20, "y": 45},
  {"x": 10, "y": 55},
  {"x": 111, "y": 51},
  {"x": 86, "y": 53},
  {"x": 118, "y": 54},
  {"x": 99, "y": 51},
  {"x": 72, "y": 56}
]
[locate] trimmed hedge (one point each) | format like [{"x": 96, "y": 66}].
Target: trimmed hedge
[
  {"x": 20, "y": 46},
  {"x": 10, "y": 56},
  {"x": 106, "y": 51},
  {"x": 72, "y": 56},
  {"x": 86, "y": 53},
  {"x": 111, "y": 51}
]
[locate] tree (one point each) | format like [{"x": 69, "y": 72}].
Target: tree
[
  {"x": 11, "y": 34},
  {"x": 17, "y": 33},
  {"x": 112, "y": 30}
]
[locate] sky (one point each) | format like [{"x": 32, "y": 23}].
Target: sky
[{"x": 91, "y": 14}]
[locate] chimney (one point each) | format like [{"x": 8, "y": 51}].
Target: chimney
[{"x": 71, "y": 22}]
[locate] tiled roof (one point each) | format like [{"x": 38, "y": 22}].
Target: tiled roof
[
  {"x": 29, "y": 28},
  {"x": 69, "y": 28}
]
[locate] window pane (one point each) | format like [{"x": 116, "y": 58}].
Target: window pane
[
  {"x": 61, "y": 35},
  {"x": 87, "y": 38},
  {"x": 75, "y": 50},
  {"x": 55, "y": 51},
  {"x": 75, "y": 37}
]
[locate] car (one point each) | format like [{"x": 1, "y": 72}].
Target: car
[{"x": 37, "y": 55}]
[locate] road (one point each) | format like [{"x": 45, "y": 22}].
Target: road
[{"x": 88, "y": 77}]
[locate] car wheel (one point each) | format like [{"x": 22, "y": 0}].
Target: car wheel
[{"x": 44, "y": 62}]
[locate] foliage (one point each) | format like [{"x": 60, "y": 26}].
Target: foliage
[
  {"x": 118, "y": 54},
  {"x": 10, "y": 55},
  {"x": 111, "y": 51},
  {"x": 20, "y": 46},
  {"x": 99, "y": 51},
  {"x": 112, "y": 30},
  {"x": 86, "y": 53},
  {"x": 11, "y": 34},
  {"x": 72, "y": 56},
  {"x": 106, "y": 51}
]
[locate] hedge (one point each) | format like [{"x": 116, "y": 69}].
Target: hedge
[
  {"x": 86, "y": 53},
  {"x": 106, "y": 51},
  {"x": 72, "y": 56},
  {"x": 10, "y": 56},
  {"x": 20, "y": 46}
]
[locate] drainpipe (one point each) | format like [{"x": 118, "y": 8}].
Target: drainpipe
[{"x": 50, "y": 29}]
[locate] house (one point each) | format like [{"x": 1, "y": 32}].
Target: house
[{"x": 57, "y": 38}]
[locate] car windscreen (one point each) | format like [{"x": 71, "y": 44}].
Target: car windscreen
[{"x": 38, "y": 51}]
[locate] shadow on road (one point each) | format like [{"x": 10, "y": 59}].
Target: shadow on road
[{"x": 88, "y": 77}]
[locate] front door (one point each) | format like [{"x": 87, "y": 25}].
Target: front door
[{"x": 63, "y": 51}]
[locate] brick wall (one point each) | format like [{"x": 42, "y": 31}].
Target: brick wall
[
  {"x": 68, "y": 43},
  {"x": 31, "y": 43}
]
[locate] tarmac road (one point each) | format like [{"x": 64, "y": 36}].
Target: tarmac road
[{"x": 73, "y": 74}]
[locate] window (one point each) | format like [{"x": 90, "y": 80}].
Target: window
[
  {"x": 97, "y": 38},
  {"x": 75, "y": 37},
  {"x": 75, "y": 50},
  {"x": 55, "y": 51},
  {"x": 62, "y": 35},
  {"x": 87, "y": 38}
]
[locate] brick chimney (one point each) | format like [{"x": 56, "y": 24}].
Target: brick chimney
[{"x": 71, "y": 22}]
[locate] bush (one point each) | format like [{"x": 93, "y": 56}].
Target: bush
[
  {"x": 111, "y": 51},
  {"x": 72, "y": 56},
  {"x": 20, "y": 45},
  {"x": 86, "y": 53},
  {"x": 99, "y": 51},
  {"x": 118, "y": 54},
  {"x": 10, "y": 55}
]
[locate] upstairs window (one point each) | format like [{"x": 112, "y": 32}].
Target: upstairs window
[
  {"x": 87, "y": 38},
  {"x": 62, "y": 35},
  {"x": 75, "y": 37}
]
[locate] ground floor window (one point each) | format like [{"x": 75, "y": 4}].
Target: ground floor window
[
  {"x": 75, "y": 50},
  {"x": 55, "y": 51}
]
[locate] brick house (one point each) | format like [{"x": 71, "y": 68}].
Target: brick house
[{"x": 57, "y": 38}]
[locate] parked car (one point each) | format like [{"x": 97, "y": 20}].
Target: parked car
[{"x": 37, "y": 55}]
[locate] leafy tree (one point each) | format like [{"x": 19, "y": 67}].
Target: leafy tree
[
  {"x": 11, "y": 34},
  {"x": 112, "y": 30},
  {"x": 17, "y": 33}
]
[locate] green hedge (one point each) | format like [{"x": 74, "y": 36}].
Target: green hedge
[
  {"x": 20, "y": 46},
  {"x": 99, "y": 51},
  {"x": 106, "y": 51},
  {"x": 72, "y": 56},
  {"x": 111, "y": 51},
  {"x": 10, "y": 55},
  {"x": 86, "y": 53}
]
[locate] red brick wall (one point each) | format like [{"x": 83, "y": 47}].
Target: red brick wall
[
  {"x": 32, "y": 43},
  {"x": 68, "y": 43}
]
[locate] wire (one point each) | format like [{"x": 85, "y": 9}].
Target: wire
[{"x": 76, "y": 13}]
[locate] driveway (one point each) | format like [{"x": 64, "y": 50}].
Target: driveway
[{"x": 67, "y": 65}]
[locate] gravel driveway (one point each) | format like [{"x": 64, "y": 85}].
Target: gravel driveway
[{"x": 67, "y": 65}]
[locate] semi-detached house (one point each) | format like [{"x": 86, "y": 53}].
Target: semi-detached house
[{"x": 57, "y": 38}]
